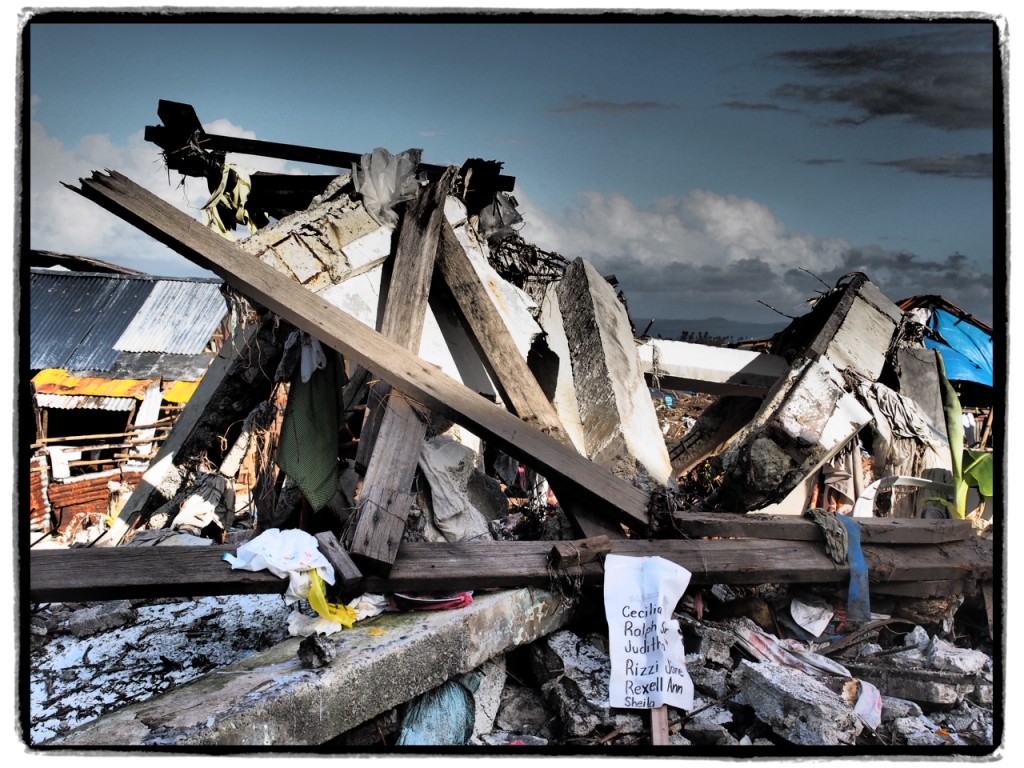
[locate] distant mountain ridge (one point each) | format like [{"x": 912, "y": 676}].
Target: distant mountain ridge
[{"x": 715, "y": 327}]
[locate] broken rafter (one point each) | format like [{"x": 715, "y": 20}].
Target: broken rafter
[
  {"x": 182, "y": 128},
  {"x": 399, "y": 367}
]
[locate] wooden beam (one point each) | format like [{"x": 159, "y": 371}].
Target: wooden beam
[
  {"x": 509, "y": 371},
  {"x": 130, "y": 572},
  {"x": 402, "y": 369},
  {"x": 181, "y": 124},
  {"x": 386, "y": 498},
  {"x": 874, "y": 530}
]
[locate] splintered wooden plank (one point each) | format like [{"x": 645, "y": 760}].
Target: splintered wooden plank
[
  {"x": 129, "y": 572},
  {"x": 402, "y": 369},
  {"x": 874, "y": 530},
  {"x": 395, "y": 448},
  {"x": 346, "y": 574},
  {"x": 515, "y": 381}
]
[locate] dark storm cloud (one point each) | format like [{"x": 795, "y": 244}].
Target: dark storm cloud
[
  {"x": 956, "y": 166},
  {"x": 900, "y": 274},
  {"x": 757, "y": 107},
  {"x": 943, "y": 79},
  {"x": 582, "y": 104}
]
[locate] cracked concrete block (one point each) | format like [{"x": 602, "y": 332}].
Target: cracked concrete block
[
  {"x": 709, "y": 681},
  {"x": 619, "y": 421},
  {"x": 796, "y": 706},
  {"x": 490, "y": 683},
  {"x": 577, "y": 689},
  {"x": 100, "y": 617}
]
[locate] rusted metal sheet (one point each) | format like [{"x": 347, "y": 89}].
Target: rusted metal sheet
[
  {"x": 54, "y": 381},
  {"x": 178, "y": 316},
  {"x": 39, "y": 502}
]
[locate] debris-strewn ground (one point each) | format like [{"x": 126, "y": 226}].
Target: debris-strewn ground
[{"x": 934, "y": 680}]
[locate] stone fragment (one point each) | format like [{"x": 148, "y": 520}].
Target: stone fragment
[
  {"x": 894, "y": 708},
  {"x": 916, "y": 732},
  {"x": 796, "y": 706},
  {"x": 522, "y": 710},
  {"x": 316, "y": 651},
  {"x": 100, "y": 617},
  {"x": 577, "y": 674}
]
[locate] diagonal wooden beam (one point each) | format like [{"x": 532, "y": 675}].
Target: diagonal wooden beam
[{"x": 399, "y": 367}]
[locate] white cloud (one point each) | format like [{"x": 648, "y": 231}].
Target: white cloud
[
  {"x": 63, "y": 221},
  {"x": 704, "y": 253}
]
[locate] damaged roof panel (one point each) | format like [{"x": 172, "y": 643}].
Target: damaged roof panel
[
  {"x": 88, "y": 402},
  {"x": 90, "y": 322},
  {"x": 178, "y": 317}
]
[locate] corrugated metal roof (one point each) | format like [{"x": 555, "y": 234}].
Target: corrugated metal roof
[
  {"x": 77, "y": 320},
  {"x": 71, "y": 402},
  {"x": 61, "y": 312},
  {"x": 177, "y": 317}
]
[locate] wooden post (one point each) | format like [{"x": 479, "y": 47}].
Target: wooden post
[
  {"x": 386, "y": 498},
  {"x": 659, "y": 725}
]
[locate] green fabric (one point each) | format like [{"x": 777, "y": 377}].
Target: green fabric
[{"x": 308, "y": 451}]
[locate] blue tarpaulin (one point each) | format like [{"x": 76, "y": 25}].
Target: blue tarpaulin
[{"x": 965, "y": 348}]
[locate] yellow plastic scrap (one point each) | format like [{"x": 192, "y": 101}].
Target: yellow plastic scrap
[
  {"x": 234, "y": 200},
  {"x": 333, "y": 611}
]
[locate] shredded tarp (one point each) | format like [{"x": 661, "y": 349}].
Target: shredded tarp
[
  {"x": 232, "y": 193},
  {"x": 965, "y": 348}
]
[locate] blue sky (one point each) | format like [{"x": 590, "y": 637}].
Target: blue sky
[{"x": 709, "y": 165}]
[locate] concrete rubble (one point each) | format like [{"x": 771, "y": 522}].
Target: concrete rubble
[{"x": 436, "y": 447}]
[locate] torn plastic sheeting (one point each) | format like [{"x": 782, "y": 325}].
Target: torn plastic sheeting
[
  {"x": 498, "y": 219},
  {"x": 812, "y": 614},
  {"x": 763, "y": 646},
  {"x": 384, "y": 180},
  {"x": 442, "y": 717},
  {"x": 362, "y": 607}
]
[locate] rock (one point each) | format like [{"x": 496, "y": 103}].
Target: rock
[
  {"x": 916, "y": 732},
  {"x": 947, "y": 657},
  {"x": 522, "y": 710},
  {"x": 100, "y": 617},
  {"x": 486, "y": 684},
  {"x": 796, "y": 706},
  {"x": 893, "y": 708},
  {"x": 709, "y": 681},
  {"x": 316, "y": 651}
]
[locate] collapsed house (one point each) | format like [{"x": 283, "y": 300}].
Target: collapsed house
[
  {"x": 113, "y": 358},
  {"x": 463, "y": 421}
]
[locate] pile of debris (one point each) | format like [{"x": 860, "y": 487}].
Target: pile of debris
[{"x": 446, "y": 410}]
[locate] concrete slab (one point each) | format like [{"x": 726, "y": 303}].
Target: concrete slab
[
  {"x": 270, "y": 699},
  {"x": 620, "y": 424},
  {"x": 680, "y": 365}
]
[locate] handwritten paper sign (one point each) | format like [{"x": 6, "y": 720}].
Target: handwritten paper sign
[{"x": 644, "y": 641}]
